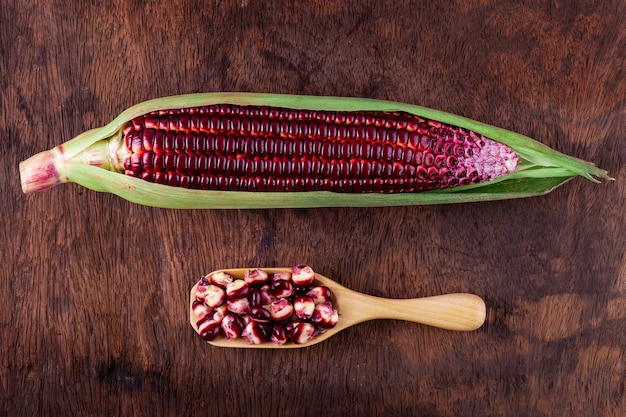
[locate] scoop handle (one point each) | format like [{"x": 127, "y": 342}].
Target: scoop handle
[{"x": 457, "y": 311}]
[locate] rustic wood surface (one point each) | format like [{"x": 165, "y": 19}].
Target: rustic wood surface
[{"x": 93, "y": 289}]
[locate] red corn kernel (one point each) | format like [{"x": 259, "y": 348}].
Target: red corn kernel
[
  {"x": 201, "y": 289},
  {"x": 266, "y": 295},
  {"x": 203, "y": 323},
  {"x": 221, "y": 279},
  {"x": 278, "y": 335},
  {"x": 325, "y": 315},
  {"x": 285, "y": 276},
  {"x": 254, "y": 333},
  {"x": 208, "y": 328},
  {"x": 281, "y": 310},
  {"x": 215, "y": 296},
  {"x": 255, "y": 276},
  {"x": 303, "y": 333},
  {"x": 232, "y": 326},
  {"x": 302, "y": 275},
  {"x": 220, "y": 312},
  {"x": 281, "y": 289},
  {"x": 237, "y": 289},
  {"x": 260, "y": 314},
  {"x": 303, "y": 306},
  {"x": 238, "y": 305},
  {"x": 320, "y": 294},
  {"x": 255, "y": 298},
  {"x": 200, "y": 309}
]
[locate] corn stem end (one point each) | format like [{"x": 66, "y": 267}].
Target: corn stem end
[{"x": 41, "y": 171}]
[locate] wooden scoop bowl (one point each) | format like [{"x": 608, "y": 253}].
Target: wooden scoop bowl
[{"x": 461, "y": 311}]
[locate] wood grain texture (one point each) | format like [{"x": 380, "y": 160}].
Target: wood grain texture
[{"x": 93, "y": 289}]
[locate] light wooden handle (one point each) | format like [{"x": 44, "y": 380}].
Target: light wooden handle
[{"x": 459, "y": 311}]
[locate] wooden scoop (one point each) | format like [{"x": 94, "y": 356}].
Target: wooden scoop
[{"x": 459, "y": 311}]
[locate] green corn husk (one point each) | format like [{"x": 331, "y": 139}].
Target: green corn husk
[{"x": 541, "y": 169}]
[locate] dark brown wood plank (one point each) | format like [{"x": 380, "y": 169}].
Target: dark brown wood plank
[{"x": 93, "y": 289}]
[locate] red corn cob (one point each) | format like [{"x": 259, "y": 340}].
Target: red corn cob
[{"x": 260, "y": 148}]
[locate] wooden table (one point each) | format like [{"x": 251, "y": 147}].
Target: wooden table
[{"x": 94, "y": 289}]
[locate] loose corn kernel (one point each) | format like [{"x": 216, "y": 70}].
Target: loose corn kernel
[{"x": 288, "y": 317}]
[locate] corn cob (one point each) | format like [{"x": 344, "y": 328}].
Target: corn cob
[
  {"x": 252, "y": 148},
  {"x": 227, "y": 150}
]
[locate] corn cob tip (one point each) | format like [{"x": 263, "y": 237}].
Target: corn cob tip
[{"x": 40, "y": 172}]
